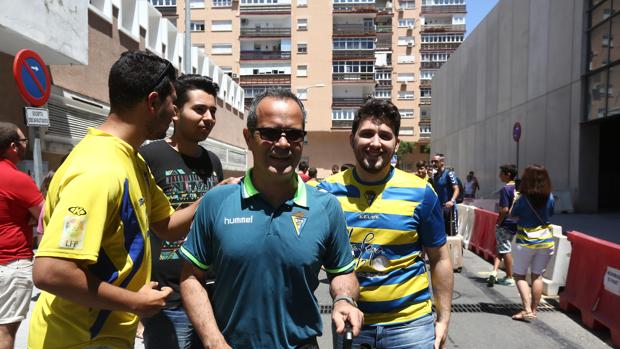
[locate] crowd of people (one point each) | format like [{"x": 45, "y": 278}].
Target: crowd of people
[{"x": 154, "y": 233}]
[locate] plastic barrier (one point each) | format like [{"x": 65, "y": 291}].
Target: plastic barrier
[
  {"x": 466, "y": 222},
  {"x": 593, "y": 283},
  {"x": 557, "y": 269},
  {"x": 482, "y": 240},
  {"x": 484, "y": 204}
]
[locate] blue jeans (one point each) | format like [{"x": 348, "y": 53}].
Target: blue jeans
[
  {"x": 416, "y": 334},
  {"x": 170, "y": 329}
]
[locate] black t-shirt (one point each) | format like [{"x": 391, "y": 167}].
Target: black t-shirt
[{"x": 184, "y": 179}]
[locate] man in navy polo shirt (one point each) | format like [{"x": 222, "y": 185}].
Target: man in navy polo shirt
[
  {"x": 447, "y": 188},
  {"x": 266, "y": 239}
]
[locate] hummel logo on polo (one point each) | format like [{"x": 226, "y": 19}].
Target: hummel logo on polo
[{"x": 238, "y": 220}]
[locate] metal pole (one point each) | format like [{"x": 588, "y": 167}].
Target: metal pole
[
  {"x": 36, "y": 157},
  {"x": 517, "y": 159},
  {"x": 187, "y": 49}
]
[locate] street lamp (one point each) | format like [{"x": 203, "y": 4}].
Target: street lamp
[{"x": 303, "y": 91}]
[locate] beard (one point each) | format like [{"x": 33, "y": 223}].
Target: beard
[
  {"x": 374, "y": 165},
  {"x": 158, "y": 128}
]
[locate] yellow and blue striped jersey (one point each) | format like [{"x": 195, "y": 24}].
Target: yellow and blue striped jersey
[
  {"x": 533, "y": 228},
  {"x": 98, "y": 210},
  {"x": 389, "y": 223}
]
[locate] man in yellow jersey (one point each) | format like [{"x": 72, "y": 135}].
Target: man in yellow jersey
[
  {"x": 94, "y": 261},
  {"x": 392, "y": 216}
]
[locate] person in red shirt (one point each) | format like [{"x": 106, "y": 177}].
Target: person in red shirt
[
  {"x": 20, "y": 204},
  {"x": 303, "y": 171}
]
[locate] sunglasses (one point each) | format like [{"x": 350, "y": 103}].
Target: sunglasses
[
  {"x": 163, "y": 74},
  {"x": 292, "y": 135}
]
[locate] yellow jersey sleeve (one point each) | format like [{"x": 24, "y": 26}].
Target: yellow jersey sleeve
[
  {"x": 160, "y": 206},
  {"x": 78, "y": 215}
]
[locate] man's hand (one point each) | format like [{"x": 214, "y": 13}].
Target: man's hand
[
  {"x": 344, "y": 312},
  {"x": 449, "y": 204},
  {"x": 441, "y": 333},
  {"x": 151, "y": 300},
  {"x": 217, "y": 343},
  {"x": 230, "y": 180}
]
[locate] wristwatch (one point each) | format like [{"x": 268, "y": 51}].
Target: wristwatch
[{"x": 344, "y": 298}]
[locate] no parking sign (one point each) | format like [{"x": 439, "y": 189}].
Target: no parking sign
[{"x": 32, "y": 77}]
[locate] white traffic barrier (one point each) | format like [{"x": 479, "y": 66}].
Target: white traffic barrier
[
  {"x": 466, "y": 222},
  {"x": 557, "y": 269}
]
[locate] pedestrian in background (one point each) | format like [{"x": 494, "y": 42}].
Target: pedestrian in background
[
  {"x": 447, "y": 187},
  {"x": 471, "y": 186},
  {"x": 20, "y": 204},
  {"x": 505, "y": 227},
  {"x": 303, "y": 171},
  {"x": 422, "y": 170},
  {"x": 534, "y": 245},
  {"x": 312, "y": 173}
]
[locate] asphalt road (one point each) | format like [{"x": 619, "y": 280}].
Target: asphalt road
[{"x": 480, "y": 318}]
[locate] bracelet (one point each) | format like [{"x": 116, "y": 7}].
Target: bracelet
[{"x": 344, "y": 298}]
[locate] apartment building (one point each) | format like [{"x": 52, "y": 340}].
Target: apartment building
[{"x": 333, "y": 55}]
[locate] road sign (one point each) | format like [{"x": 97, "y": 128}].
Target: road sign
[
  {"x": 32, "y": 77},
  {"x": 37, "y": 117},
  {"x": 516, "y": 131}
]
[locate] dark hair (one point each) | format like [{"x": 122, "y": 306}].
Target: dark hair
[
  {"x": 346, "y": 166},
  {"x": 440, "y": 155},
  {"x": 189, "y": 82},
  {"x": 381, "y": 110},
  {"x": 279, "y": 94},
  {"x": 536, "y": 185},
  {"x": 509, "y": 170},
  {"x": 8, "y": 135},
  {"x": 312, "y": 172},
  {"x": 420, "y": 164},
  {"x": 136, "y": 74},
  {"x": 303, "y": 166}
]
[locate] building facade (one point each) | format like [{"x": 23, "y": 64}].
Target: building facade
[
  {"x": 80, "y": 41},
  {"x": 333, "y": 55},
  {"x": 553, "y": 67}
]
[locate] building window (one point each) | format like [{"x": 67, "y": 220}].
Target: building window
[
  {"x": 197, "y": 26},
  {"x": 221, "y": 26},
  {"x": 405, "y": 77},
  {"x": 353, "y": 44},
  {"x": 221, "y": 49},
  {"x": 442, "y": 38},
  {"x": 406, "y": 131},
  {"x": 343, "y": 114},
  {"x": 406, "y": 113},
  {"x": 302, "y": 70},
  {"x": 302, "y": 24},
  {"x": 427, "y": 74},
  {"x": 163, "y": 3},
  {"x": 222, "y": 3},
  {"x": 384, "y": 94},
  {"x": 302, "y": 93},
  {"x": 435, "y": 57},
  {"x": 302, "y": 48},
  {"x": 406, "y": 59},
  {"x": 406, "y": 23},
  {"x": 227, "y": 71},
  {"x": 197, "y": 3},
  {"x": 353, "y": 67},
  {"x": 405, "y": 41},
  {"x": 425, "y": 92},
  {"x": 405, "y": 95},
  {"x": 406, "y": 4},
  {"x": 383, "y": 75},
  {"x": 302, "y": 3}
]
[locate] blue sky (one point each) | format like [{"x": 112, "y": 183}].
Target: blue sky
[{"x": 476, "y": 11}]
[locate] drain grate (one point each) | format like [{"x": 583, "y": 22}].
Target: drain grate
[{"x": 506, "y": 309}]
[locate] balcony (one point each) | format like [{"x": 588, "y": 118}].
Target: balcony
[
  {"x": 353, "y": 54},
  {"x": 443, "y": 9},
  {"x": 440, "y": 46},
  {"x": 425, "y": 101},
  {"x": 354, "y": 8},
  {"x": 440, "y": 28},
  {"x": 384, "y": 42},
  {"x": 425, "y": 83},
  {"x": 385, "y": 11},
  {"x": 384, "y": 28},
  {"x": 344, "y": 102},
  {"x": 265, "y": 79},
  {"x": 266, "y": 9},
  {"x": 265, "y": 55},
  {"x": 352, "y": 29},
  {"x": 431, "y": 65},
  {"x": 342, "y": 124},
  {"x": 262, "y": 32},
  {"x": 353, "y": 77}
]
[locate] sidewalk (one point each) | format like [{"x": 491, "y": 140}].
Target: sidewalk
[{"x": 480, "y": 317}]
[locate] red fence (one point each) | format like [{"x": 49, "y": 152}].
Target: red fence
[{"x": 482, "y": 240}]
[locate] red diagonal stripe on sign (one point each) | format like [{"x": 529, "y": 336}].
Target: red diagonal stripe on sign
[{"x": 34, "y": 77}]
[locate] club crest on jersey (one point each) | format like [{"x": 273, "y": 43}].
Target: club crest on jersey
[
  {"x": 370, "y": 196},
  {"x": 298, "y": 221}
]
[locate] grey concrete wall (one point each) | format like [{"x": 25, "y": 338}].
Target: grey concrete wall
[{"x": 522, "y": 63}]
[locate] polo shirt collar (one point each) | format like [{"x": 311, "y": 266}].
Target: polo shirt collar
[{"x": 248, "y": 189}]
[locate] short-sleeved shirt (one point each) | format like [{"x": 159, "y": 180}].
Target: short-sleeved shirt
[
  {"x": 444, "y": 183},
  {"x": 267, "y": 260},
  {"x": 389, "y": 223},
  {"x": 98, "y": 210},
  {"x": 532, "y": 232},
  {"x": 18, "y": 193},
  {"x": 184, "y": 179},
  {"x": 506, "y": 198}
]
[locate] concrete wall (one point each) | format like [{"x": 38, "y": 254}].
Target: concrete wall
[{"x": 522, "y": 63}]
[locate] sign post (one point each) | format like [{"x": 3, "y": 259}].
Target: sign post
[
  {"x": 34, "y": 83},
  {"x": 516, "y": 135}
]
